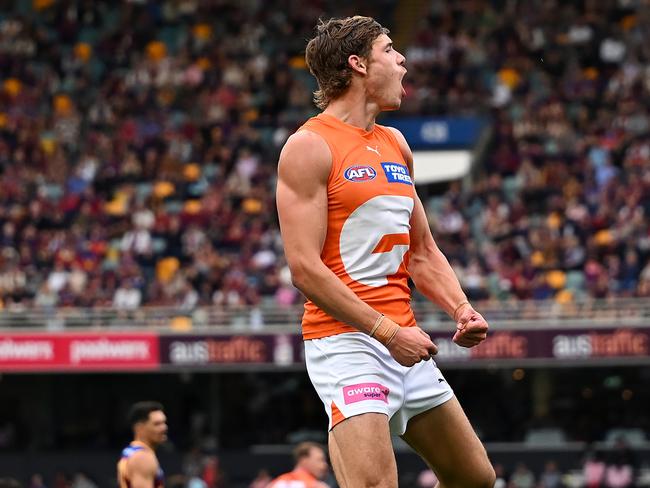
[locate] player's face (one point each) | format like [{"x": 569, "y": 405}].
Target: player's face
[
  {"x": 386, "y": 69},
  {"x": 156, "y": 428},
  {"x": 316, "y": 463}
]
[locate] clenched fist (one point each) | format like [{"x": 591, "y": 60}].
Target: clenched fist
[
  {"x": 411, "y": 345},
  {"x": 471, "y": 327}
]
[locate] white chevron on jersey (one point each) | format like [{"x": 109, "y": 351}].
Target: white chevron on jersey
[{"x": 364, "y": 229}]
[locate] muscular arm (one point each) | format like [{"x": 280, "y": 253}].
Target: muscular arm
[
  {"x": 303, "y": 171},
  {"x": 432, "y": 273},
  {"x": 142, "y": 469},
  {"x": 428, "y": 266},
  {"x": 304, "y": 167}
]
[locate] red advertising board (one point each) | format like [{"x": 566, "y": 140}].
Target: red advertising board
[
  {"x": 114, "y": 351},
  {"x": 82, "y": 352}
]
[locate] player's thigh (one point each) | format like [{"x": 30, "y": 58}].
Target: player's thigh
[
  {"x": 445, "y": 439},
  {"x": 364, "y": 452}
]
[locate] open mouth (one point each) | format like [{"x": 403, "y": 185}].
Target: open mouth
[{"x": 401, "y": 83}]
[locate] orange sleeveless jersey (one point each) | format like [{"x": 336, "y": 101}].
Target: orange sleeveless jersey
[
  {"x": 297, "y": 478},
  {"x": 370, "y": 201}
]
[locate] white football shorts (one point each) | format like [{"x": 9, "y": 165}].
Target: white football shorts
[{"x": 354, "y": 374}]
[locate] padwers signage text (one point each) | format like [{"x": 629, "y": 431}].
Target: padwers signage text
[{"x": 82, "y": 352}]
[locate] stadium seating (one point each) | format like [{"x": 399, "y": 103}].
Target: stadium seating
[{"x": 145, "y": 159}]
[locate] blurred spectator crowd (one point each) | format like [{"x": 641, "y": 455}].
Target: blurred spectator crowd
[
  {"x": 138, "y": 144},
  {"x": 560, "y": 209}
]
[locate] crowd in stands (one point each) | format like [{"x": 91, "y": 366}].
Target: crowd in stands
[
  {"x": 138, "y": 144},
  {"x": 561, "y": 207}
]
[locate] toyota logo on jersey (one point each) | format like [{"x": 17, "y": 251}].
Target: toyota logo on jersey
[{"x": 360, "y": 173}]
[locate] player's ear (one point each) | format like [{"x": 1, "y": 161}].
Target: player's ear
[{"x": 358, "y": 64}]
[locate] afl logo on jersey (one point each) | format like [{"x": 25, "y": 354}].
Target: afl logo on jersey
[{"x": 360, "y": 173}]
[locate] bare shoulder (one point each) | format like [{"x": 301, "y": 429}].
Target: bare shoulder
[
  {"x": 143, "y": 462},
  {"x": 304, "y": 153},
  {"x": 403, "y": 145}
]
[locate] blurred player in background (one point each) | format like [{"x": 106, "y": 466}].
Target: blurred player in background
[
  {"x": 138, "y": 467},
  {"x": 311, "y": 467},
  {"x": 354, "y": 231}
]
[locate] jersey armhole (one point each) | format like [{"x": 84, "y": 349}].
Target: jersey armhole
[{"x": 393, "y": 137}]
